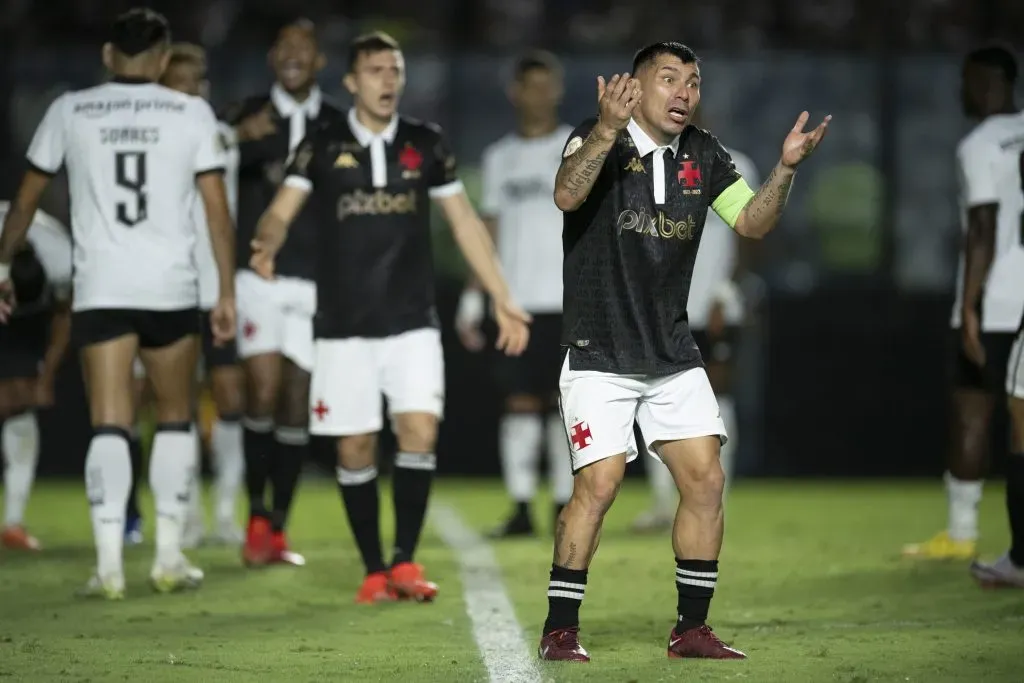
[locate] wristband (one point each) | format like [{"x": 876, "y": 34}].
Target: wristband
[{"x": 472, "y": 307}]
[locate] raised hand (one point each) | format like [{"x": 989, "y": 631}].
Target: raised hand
[
  {"x": 617, "y": 99},
  {"x": 799, "y": 145}
]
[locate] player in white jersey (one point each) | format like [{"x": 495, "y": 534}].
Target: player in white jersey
[
  {"x": 990, "y": 288},
  {"x": 518, "y": 182},
  {"x": 135, "y": 153},
  {"x": 32, "y": 346},
  {"x": 716, "y": 312},
  {"x": 186, "y": 72}
]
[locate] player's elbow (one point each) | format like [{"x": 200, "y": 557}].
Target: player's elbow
[
  {"x": 745, "y": 227},
  {"x": 565, "y": 201}
]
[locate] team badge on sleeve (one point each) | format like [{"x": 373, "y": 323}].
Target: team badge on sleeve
[{"x": 572, "y": 147}]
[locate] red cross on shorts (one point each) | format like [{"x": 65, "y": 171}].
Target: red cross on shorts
[
  {"x": 320, "y": 410},
  {"x": 579, "y": 434},
  {"x": 248, "y": 329},
  {"x": 689, "y": 174}
]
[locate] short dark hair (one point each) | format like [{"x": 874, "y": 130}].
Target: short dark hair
[
  {"x": 138, "y": 30},
  {"x": 997, "y": 57},
  {"x": 369, "y": 43},
  {"x": 648, "y": 54},
  {"x": 300, "y": 24},
  {"x": 536, "y": 60}
]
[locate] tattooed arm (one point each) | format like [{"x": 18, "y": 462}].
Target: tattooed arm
[
  {"x": 581, "y": 167},
  {"x": 762, "y": 212}
]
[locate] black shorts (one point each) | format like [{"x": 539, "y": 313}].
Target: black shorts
[
  {"x": 992, "y": 377},
  {"x": 724, "y": 348},
  {"x": 535, "y": 373},
  {"x": 215, "y": 356},
  {"x": 154, "y": 329},
  {"x": 23, "y": 343}
]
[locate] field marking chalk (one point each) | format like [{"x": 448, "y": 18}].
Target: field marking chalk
[{"x": 497, "y": 632}]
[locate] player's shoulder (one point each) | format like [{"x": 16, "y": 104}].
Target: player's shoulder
[
  {"x": 331, "y": 110},
  {"x": 234, "y": 112},
  {"x": 501, "y": 146},
  {"x": 702, "y": 137},
  {"x": 417, "y": 129},
  {"x": 987, "y": 133}
]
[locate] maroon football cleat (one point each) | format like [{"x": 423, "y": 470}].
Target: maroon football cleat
[
  {"x": 700, "y": 643},
  {"x": 562, "y": 645}
]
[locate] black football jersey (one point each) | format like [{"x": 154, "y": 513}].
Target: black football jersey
[
  {"x": 374, "y": 260},
  {"x": 628, "y": 260},
  {"x": 261, "y": 169}
]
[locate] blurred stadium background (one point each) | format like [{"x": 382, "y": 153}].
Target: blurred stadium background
[
  {"x": 842, "y": 371},
  {"x": 843, "y": 367}
]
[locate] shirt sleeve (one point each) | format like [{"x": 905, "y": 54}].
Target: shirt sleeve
[
  {"x": 49, "y": 144},
  {"x": 730, "y": 193},
  {"x": 52, "y": 243},
  {"x": 490, "y": 200},
  {"x": 975, "y": 158},
  {"x": 301, "y": 166},
  {"x": 444, "y": 171},
  {"x": 211, "y": 150}
]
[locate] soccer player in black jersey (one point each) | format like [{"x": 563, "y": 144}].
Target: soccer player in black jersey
[
  {"x": 371, "y": 177},
  {"x": 635, "y": 185},
  {"x": 275, "y": 319}
]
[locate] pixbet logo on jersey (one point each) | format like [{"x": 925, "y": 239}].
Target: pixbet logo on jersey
[
  {"x": 656, "y": 226},
  {"x": 361, "y": 203}
]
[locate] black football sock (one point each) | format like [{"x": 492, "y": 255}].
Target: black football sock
[
  {"x": 132, "y": 510},
  {"x": 565, "y": 595},
  {"x": 362, "y": 504},
  {"x": 258, "y": 444},
  {"x": 522, "y": 510},
  {"x": 1015, "y": 506},
  {"x": 695, "y": 581},
  {"x": 291, "y": 444},
  {"x": 410, "y": 485}
]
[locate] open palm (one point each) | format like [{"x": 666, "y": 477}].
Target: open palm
[{"x": 799, "y": 145}]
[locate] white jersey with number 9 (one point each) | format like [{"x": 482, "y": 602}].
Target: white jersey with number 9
[{"x": 132, "y": 152}]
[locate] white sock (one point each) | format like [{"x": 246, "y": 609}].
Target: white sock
[
  {"x": 964, "y": 497},
  {"x": 519, "y": 439},
  {"x": 20, "y": 445},
  {"x": 559, "y": 460},
  {"x": 108, "y": 480},
  {"x": 727, "y": 407},
  {"x": 228, "y": 465},
  {"x": 172, "y": 465},
  {"x": 195, "y": 491},
  {"x": 663, "y": 487}
]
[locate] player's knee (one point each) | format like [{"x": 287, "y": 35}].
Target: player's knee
[
  {"x": 357, "y": 452},
  {"x": 596, "y": 486},
  {"x": 261, "y": 400},
  {"x": 416, "y": 432},
  {"x": 703, "y": 478},
  {"x": 523, "y": 403}
]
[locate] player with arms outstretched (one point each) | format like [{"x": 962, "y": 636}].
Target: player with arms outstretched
[
  {"x": 135, "y": 153},
  {"x": 371, "y": 177},
  {"x": 32, "y": 346},
  {"x": 635, "y": 186},
  {"x": 990, "y": 289}
]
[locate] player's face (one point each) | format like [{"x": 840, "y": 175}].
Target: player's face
[
  {"x": 295, "y": 59},
  {"x": 377, "y": 81},
  {"x": 537, "y": 94},
  {"x": 671, "y": 93},
  {"x": 186, "y": 77}
]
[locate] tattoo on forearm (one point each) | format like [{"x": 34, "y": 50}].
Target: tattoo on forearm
[
  {"x": 578, "y": 172},
  {"x": 770, "y": 199}
]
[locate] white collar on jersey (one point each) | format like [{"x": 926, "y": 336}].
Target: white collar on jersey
[
  {"x": 644, "y": 144},
  {"x": 287, "y": 106},
  {"x": 365, "y": 136}
]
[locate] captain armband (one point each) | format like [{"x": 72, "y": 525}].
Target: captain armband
[{"x": 732, "y": 200}]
